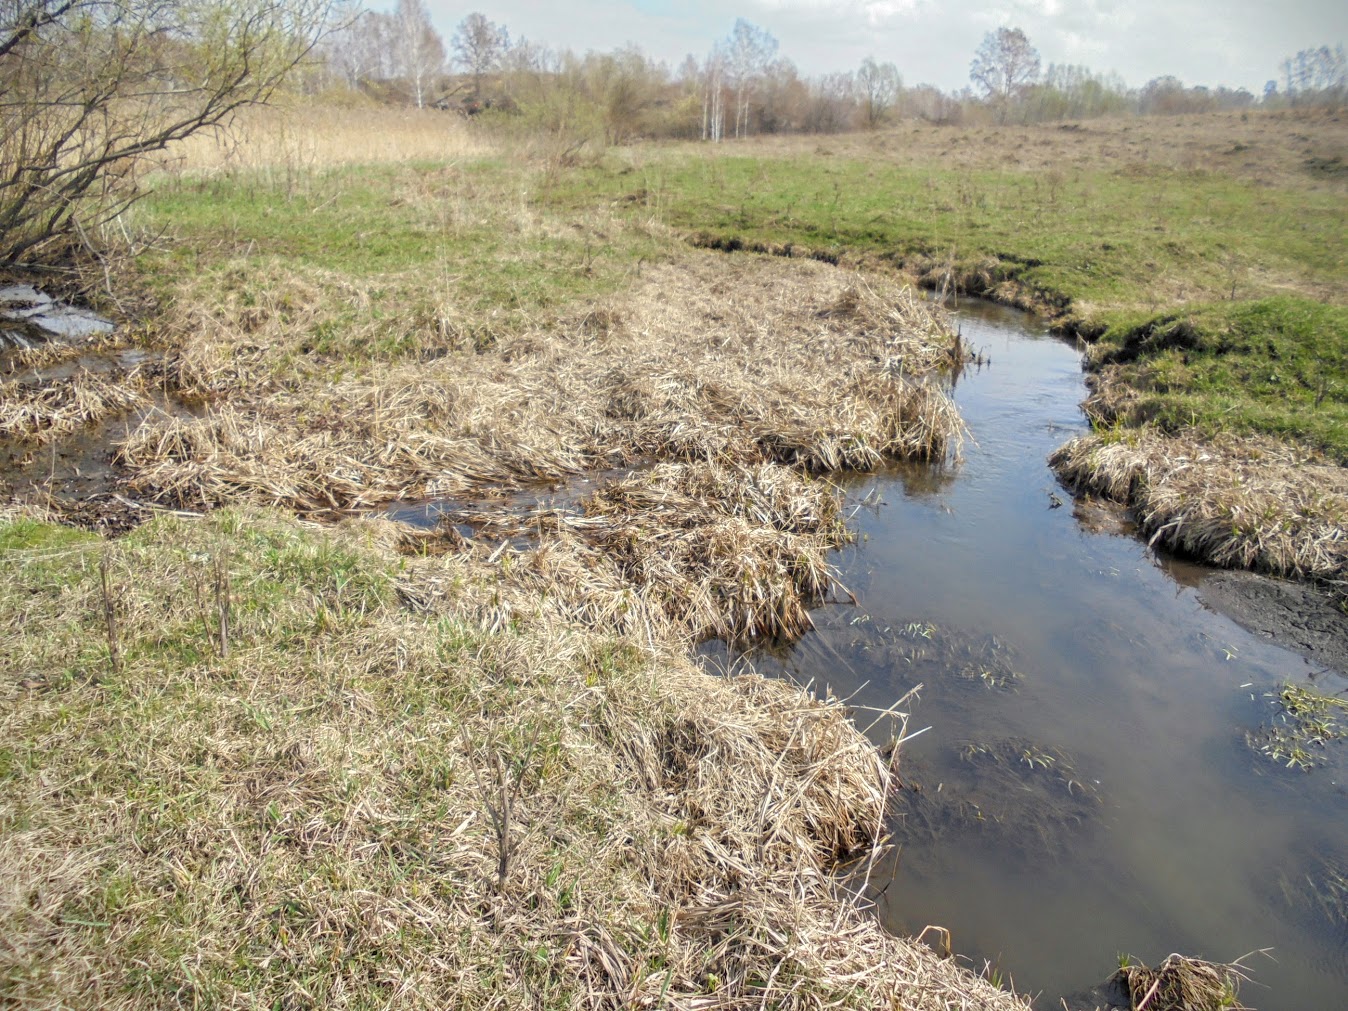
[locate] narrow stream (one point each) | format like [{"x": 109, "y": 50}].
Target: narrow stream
[{"x": 1087, "y": 788}]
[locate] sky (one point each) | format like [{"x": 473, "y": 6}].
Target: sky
[{"x": 1237, "y": 43}]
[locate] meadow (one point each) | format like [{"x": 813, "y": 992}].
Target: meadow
[{"x": 272, "y": 748}]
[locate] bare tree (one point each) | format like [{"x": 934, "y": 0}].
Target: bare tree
[
  {"x": 878, "y": 86},
  {"x": 420, "y": 50},
  {"x": 749, "y": 50},
  {"x": 1318, "y": 76},
  {"x": 479, "y": 45},
  {"x": 88, "y": 86},
  {"x": 1003, "y": 66}
]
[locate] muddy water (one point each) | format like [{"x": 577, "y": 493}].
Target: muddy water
[{"x": 1087, "y": 787}]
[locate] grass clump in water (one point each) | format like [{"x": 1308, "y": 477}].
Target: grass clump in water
[
  {"x": 1306, "y": 724},
  {"x": 1181, "y": 983}
]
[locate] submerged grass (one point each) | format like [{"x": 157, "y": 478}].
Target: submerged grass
[
  {"x": 1307, "y": 722},
  {"x": 361, "y": 804}
]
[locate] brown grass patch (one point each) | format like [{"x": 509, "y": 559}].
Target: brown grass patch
[
  {"x": 715, "y": 550},
  {"x": 1243, "y": 503},
  {"x": 708, "y": 358}
]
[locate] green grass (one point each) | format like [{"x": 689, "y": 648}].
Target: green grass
[
  {"x": 469, "y": 233},
  {"x": 1277, "y": 366},
  {"x": 1103, "y": 237}
]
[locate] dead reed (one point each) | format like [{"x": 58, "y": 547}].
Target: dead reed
[
  {"x": 360, "y": 804},
  {"x": 1181, "y": 983},
  {"x": 298, "y": 141},
  {"x": 1245, "y": 503}
]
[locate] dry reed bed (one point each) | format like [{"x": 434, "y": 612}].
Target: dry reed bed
[
  {"x": 362, "y": 805},
  {"x": 295, "y": 142},
  {"x": 707, "y": 358},
  {"x": 1244, "y": 502},
  {"x": 715, "y": 550},
  {"x": 39, "y": 411}
]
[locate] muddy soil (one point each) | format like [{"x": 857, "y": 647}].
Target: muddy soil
[{"x": 1300, "y": 617}]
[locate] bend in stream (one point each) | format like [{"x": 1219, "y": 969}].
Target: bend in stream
[{"x": 1088, "y": 786}]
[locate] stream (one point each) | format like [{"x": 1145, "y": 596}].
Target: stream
[{"x": 1087, "y": 787}]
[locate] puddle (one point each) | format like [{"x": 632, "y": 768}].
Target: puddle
[
  {"x": 1152, "y": 824},
  {"x": 30, "y": 317}
]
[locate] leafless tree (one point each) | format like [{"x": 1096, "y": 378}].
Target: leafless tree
[
  {"x": 878, "y": 86},
  {"x": 1004, "y": 64},
  {"x": 479, "y": 44},
  {"x": 749, "y": 51},
  {"x": 1318, "y": 76},
  {"x": 88, "y": 86},
  {"x": 420, "y": 50}
]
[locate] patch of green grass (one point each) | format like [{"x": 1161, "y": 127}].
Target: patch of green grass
[
  {"x": 1278, "y": 366},
  {"x": 470, "y": 234},
  {"x": 1104, "y": 237}
]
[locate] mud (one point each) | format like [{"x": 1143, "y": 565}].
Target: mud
[{"x": 1300, "y": 617}]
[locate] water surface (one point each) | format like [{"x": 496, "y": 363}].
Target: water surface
[{"x": 1086, "y": 787}]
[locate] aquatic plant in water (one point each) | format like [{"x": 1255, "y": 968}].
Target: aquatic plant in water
[{"x": 1305, "y": 724}]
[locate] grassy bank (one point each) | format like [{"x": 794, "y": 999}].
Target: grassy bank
[{"x": 252, "y": 763}]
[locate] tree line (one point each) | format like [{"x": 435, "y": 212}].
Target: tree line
[{"x": 744, "y": 86}]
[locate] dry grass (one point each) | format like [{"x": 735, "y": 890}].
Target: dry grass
[
  {"x": 1265, "y": 147},
  {"x": 716, "y": 550},
  {"x": 37, "y": 412},
  {"x": 362, "y": 805},
  {"x": 1181, "y": 983},
  {"x": 706, "y": 358},
  {"x": 291, "y": 142},
  {"x": 1233, "y": 502}
]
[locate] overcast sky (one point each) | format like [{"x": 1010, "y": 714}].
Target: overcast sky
[{"x": 1238, "y": 43}]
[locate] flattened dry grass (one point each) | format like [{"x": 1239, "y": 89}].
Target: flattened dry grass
[
  {"x": 1234, "y": 502},
  {"x": 706, "y": 358},
  {"x": 368, "y": 805},
  {"x": 36, "y": 412},
  {"x": 717, "y": 550}
]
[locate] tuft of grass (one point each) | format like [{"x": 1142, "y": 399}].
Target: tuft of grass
[{"x": 1181, "y": 983}]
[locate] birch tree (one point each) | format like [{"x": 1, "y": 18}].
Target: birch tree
[
  {"x": 420, "y": 50},
  {"x": 1003, "y": 66}
]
